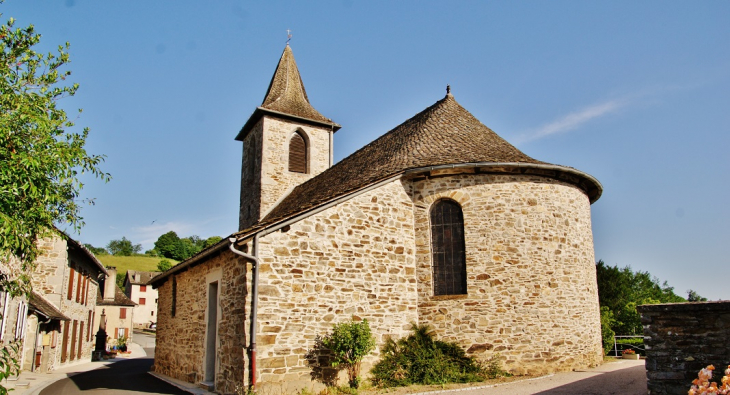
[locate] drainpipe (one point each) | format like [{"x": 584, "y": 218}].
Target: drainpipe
[{"x": 254, "y": 295}]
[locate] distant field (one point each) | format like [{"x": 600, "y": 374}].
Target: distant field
[{"x": 136, "y": 262}]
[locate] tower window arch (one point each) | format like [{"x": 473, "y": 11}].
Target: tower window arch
[
  {"x": 448, "y": 248},
  {"x": 298, "y": 153}
]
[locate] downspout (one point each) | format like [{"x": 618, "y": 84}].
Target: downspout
[
  {"x": 332, "y": 137},
  {"x": 254, "y": 295},
  {"x": 255, "y": 259}
]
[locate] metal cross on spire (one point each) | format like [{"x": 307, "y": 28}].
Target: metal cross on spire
[{"x": 288, "y": 36}]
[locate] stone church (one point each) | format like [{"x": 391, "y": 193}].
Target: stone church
[{"x": 439, "y": 221}]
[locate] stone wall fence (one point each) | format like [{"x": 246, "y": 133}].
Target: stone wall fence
[{"x": 681, "y": 339}]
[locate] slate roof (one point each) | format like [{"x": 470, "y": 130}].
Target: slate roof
[
  {"x": 442, "y": 134},
  {"x": 38, "y": 303},
  {"x": 73, "y": 244},
  {"x": 286, "y": 97},
  {"x": 144, "y": 277},
  {"x": 120, "y": 299}
]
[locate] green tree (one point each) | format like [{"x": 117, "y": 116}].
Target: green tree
[
  {"x": 211, "y": 241},
  {"x": 350, "y": 342},
  {"x": 620, "y": 290},
  {"x": 96, "y": 250},
  {"x": 693, "y": 296},
  {"x": 164, "y": 265},
  {"x": 41, "y": 158},
  {"x": 168, "y": 245},
  {"x": 123, "y": 247}
]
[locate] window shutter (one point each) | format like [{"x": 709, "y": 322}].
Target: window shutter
[
  {"x": 297, "y": 154},
  {"x": 71, "y": 284}
]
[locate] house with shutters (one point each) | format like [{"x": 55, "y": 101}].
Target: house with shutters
[
  {"x": 439, "y": 221},
  {"x": 145, "y": 296},
  {"x": 55, "y": 322},
  {"x": 118, "y": 309}
]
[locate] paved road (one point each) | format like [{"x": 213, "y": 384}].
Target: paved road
[
  {"x": 615, "y": 378},
  {"x": 147, "y": 341},
  {"x": 123, "y": 377}
]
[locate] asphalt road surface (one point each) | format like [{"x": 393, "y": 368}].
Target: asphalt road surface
[
  {"x": 147, "y": 341},
  {"x": 613, "y": 378},
  {"x": 123, "y": 377}
]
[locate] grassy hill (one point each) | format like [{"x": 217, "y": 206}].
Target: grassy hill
[{"x": 135, "y": 262}]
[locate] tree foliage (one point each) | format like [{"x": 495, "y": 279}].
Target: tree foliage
[
  {"x": 693, "y": 296},
  {"x": 41, "y": 159},
  {"x": 96, "y": 250},
  {"x": 123, "y": 247},
  {"x": 171, "y": 246},
  {"x": 164, "y": 265},
  {"x": 621, "y": 290},
  {"x": 350, "y": 342}
]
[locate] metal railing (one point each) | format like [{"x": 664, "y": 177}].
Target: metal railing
[{"x": 625, "y": 346}]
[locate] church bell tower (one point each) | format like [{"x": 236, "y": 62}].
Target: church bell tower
[{"x": 285, "y": 143}]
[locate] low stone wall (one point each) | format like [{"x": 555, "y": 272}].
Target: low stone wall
[{"x": 681, "y": 339}]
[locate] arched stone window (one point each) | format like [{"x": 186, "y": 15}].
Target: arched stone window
[
  {"x": 298, "y": 153},
  {"x": 447, "y": 245}
]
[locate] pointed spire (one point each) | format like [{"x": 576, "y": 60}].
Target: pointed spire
[
  {"x": 287, "y": 97},
  {"x": 286, "y": 93}
]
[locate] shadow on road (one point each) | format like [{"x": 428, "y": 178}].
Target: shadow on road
[
  {"x": 627, "y": 381},
  {"x": 124, "y": 376}
]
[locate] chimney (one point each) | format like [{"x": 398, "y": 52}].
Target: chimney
[
  {"x": 137, "y": 277},
  {"x": 110, "y": 284}
]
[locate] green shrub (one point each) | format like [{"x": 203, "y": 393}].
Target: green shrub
[
  {"x": 607, "y": 333},
  {"x": 350, "y": 342},
  {"x": 420, "y": 359}
]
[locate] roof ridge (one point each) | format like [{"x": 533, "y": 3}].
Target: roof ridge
[{"x": 443, "y": 133}]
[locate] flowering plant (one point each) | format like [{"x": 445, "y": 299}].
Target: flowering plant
[
  {"x": 628, "y": 351},
  {"x": 702, "y": 386}
]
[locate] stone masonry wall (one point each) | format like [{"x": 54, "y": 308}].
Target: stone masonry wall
[
  {"x": 250, "y": 200},
  {"x": 51, "y": 279},
  {"x": 354, "y": 260},
  {"x": 681, "y": 339},
  {"x": 180, "y": 348},
  {"x": 531, "y": 280},
  {"x": 262, "y": 188}
]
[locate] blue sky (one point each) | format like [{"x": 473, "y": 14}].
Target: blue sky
[{"x": 636, "y": 94}]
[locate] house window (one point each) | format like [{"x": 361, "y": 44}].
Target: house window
[
  {"x": 447, "y": 244},
  {"x": 142, "y": 288},
  {"x": 122, "y": 313},
  {"x": 142, "y": 301},
  {"x": 152, "y": 313},
  {"x": 297, "y": 153}
]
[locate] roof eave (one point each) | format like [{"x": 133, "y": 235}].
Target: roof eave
[
  {"x": 261, "y": 111},
  {"x": 589, "y": 184}
]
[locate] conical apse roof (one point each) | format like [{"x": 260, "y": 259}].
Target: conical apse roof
[{"x": 442, "y": 134}]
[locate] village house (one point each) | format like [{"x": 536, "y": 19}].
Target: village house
[
  {"x": 118, "y": 309},
  {"x": 439, "y": 221},
  {"x": 136, "y": 289},
  {"x": 54, "y": 322}
]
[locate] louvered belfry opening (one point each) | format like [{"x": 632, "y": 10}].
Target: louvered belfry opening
[
  {"x": 297, "y": 154},
  {"x": 447, "y": 244}
]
